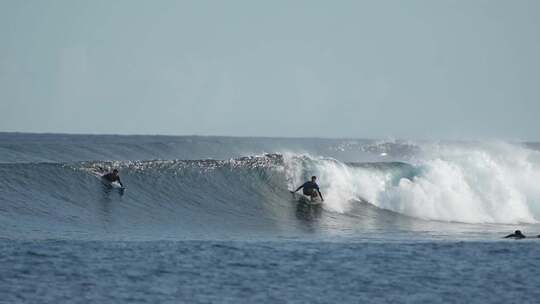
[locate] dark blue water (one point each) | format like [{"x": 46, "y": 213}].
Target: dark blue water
[
  {"x": 210, "y": 219},
  {"x": 261, "y": 271}
]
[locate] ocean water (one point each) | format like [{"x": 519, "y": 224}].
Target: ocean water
[{"x": 211, "y": 220}]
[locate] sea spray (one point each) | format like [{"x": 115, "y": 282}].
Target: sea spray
[{"x": 474, "y": 183}]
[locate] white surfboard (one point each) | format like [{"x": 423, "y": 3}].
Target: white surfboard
[{"x": 306, "y": 199}]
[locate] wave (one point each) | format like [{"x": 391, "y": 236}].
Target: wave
[{"x": 473, "y": 183}]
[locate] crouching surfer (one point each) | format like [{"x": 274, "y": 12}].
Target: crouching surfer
[
  {"x": 311, "y": 189},
  {"x": 112, "y": 177}
]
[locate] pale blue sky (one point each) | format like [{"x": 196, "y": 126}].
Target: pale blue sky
[{"x": 405, "y": 69}]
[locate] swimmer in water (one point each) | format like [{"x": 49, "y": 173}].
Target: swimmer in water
[{"x": 516, "y": 235}]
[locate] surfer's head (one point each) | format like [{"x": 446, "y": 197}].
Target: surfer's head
[
  {"x": 518, "y": 232},
  {"x": 313, "y": 178},
  {"x": 115, "y": 171}
]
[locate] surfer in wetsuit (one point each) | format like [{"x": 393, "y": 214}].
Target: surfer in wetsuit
[
  {"x": 112, "y": 177},
  {"x": 311, "y": 189}
]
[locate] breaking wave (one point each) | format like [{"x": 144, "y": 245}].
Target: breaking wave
[{"x": 460, "y": 182}]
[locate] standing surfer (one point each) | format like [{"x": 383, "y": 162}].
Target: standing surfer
[{"x": 311, "y": 189}]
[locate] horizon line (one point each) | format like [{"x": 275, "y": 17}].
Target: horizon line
[{"x": 388, "y": 138}]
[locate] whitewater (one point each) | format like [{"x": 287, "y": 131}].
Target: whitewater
[{"x": 215, "y": 214}]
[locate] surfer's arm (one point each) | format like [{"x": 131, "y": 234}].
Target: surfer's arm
[
  {"x": 120, "y": 182},
  {"x": 320, "y": 194},
  {"x": 299, "y": 188}
]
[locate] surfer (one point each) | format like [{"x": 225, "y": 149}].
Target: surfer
[
  {"x": 113, "y": 177},
  {"x": 516, "y": 235},
  {"x": 311, "y": 189}
]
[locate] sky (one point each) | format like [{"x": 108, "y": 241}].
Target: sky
[{"x": 362, "y": 69}]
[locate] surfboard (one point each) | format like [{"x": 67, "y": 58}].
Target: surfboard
[
  {"x": 304, "y": 199},
  {"x": 117, "y": 186},
  {"x": 113, "y": 185}
]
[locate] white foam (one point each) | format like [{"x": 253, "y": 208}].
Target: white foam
[{"x": 477, "y": 183}]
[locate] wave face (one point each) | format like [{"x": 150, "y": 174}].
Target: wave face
[{"x": 369, "y": 186}]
